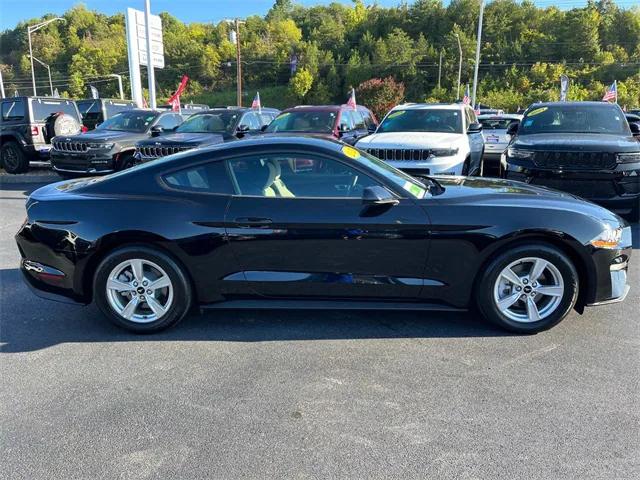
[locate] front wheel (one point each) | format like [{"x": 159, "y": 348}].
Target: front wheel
[
  {"x": 528, "y": 289},
  {"x": 141, "y": 289},
  {"x": 13, "y": 159}
]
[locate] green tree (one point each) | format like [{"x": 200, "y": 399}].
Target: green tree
[{"x": 301, "y": 83}]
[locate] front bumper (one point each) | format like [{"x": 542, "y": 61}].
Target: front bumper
[
  {"x": 433, "y": 166},
  {"x": 83, "y": 162},
  {"x": 611, "y": 276}
]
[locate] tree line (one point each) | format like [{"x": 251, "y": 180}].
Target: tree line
[{"x": 316, "y": 54}]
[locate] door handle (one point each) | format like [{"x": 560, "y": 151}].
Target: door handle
[{"x": 248, "y": 222}]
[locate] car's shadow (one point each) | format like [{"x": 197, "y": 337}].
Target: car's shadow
[{"x": 30, "y": 323}]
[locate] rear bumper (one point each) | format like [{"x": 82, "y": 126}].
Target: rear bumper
[{"x": 38, "y": 152}]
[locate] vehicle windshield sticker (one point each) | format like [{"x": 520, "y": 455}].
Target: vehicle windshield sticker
[
  {"x": 396, "y": 114},
  {"x": 351, "y": 152},
  {"x": 415, "y": 189},
  {"x": 537, "y": 111},
  {"x": 285, "y": 114}
]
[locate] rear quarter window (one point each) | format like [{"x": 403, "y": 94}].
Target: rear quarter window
[
  {"x": 13, "y": 110},
  {"x": 208, "y": 178}
]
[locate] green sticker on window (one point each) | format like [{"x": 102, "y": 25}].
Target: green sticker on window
[
  {"x": 537, "y": 111},
  {"x": 414, "y": 189},
  {"x": 396, "y": 114}
]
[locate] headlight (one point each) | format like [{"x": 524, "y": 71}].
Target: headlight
[
  {"x": 444, "y": 152},
  {"x": 518, "y": 153},
  {"x": 628, "y": 157},
  {"x": 101, "y": 146},
  {"x": 609, "y": 238}
]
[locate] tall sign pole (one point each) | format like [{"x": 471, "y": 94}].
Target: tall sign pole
[
  {"x": 475, "y": 72},
  {"x": 132, "y": 50},
  {"x": 239, "y": 67},
  {"x": 1, "y": 85},
  {"x": 150, "y": 73}
]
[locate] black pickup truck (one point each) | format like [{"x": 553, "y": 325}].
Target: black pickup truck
[
  {"x": 111, "y": 145},
  {"x": 584, "y": 148}
]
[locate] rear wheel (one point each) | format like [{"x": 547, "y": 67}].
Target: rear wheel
[
  {"x": 528, "y": 289},
  {"x": 142, "y": 289},
  {"x": 13, "y": 158}
]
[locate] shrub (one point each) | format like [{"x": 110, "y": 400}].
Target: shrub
[{"x": 380, "y": 95}]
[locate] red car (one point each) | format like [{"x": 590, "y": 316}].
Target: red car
[{"x": 339, "y": 121}]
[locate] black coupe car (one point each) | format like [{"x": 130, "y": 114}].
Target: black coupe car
[{"x": 307, "y": 222}]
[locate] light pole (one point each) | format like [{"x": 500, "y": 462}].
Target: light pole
[
  {"x": 48, "y": 70},
  {"x": 235, "y": 38},
  {"x": 119, "y": 77},
  {"x": 459, "y": 66},
  {"x": 30, "y": 30},
  {"x": 475, "y": 72}
]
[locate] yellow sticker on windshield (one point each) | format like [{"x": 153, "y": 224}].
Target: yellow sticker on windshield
[
  {"x": 537, "y": 111},
  {"x": 351, "y": 152},
  {"x": 396, "y": 114}
]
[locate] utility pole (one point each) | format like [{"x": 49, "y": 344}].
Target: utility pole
[
  {"x": 475, "y": 73},
  {"x": 119, "y": 77},
  {"x": 1, "y": 85},
  {"x": 48, "y": 70},
  {"x": 440, "y": 69},
  {"x": 239, "y": 65},
  {"x": 150, "y": 73},
  {"x": 30, "y": 30},
  {"x": 459, "y": 66}
]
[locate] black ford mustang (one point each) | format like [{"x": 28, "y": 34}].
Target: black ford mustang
[{"x": 312, "y": 223}]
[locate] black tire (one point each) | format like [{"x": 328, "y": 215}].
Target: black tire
[
  {"x": 125, "y": 161},
  {"x": 182, "y": 294},
  {"x": 485, "y": 287},
  {"x": 13, "y": 159}
]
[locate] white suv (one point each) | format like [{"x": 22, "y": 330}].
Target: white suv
[{"x": 429, "y": 139}]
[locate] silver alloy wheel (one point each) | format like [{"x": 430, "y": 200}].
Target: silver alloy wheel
[
  {"x": 139, "y": 291},
  {"x": 528, "y": 290}
]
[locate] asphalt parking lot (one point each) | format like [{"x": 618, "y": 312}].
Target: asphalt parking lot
[{"x": 312, "y": 394}]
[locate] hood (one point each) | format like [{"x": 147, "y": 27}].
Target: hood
[
  {"x": 587, "y": 142},
  {"x": 495, "y": 191},
  {"x": 191, "y": 139},
  {"x": 410, "y": 140},
  {"x": 102, "y": 136}
]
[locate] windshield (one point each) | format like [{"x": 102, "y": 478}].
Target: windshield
[
  {"x": 406, "y": 182},
  {"x": 304, "y": 121},
  {"x": 130, "y": 121},
  {"x": 432, "y": 120},
  {"x": 219, "y": 122},
  {"x": 603, "y": 119},
  {"x": 496, "y": 123},
  {"x": 42, "y": 109}
]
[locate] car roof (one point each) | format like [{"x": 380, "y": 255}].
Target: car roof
[
  {"x": 125, "y": 100},
  {"x": 430, "y": 106},
  {"x": 235, "y": 109},
  {"x": 40, "y": 97},
  {"x": 571, "y": 104},
  {"x": 498, "y": 116}
]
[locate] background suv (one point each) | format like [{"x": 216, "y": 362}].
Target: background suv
[
  {"x": 428, "y": 139},
  {"x": 206, "y": 128},
  {"x": 111, "y": 145},
  {"x": 496, "y": 139},
  {"x": 27, "y": 125},
  {"x": 338, "y": 121},
  {"x": 584, "y": 148},
  {"x": 94, "y": 111}
]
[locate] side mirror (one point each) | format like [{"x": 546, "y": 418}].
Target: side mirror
[
  {"x": 264, "y": 127},
  {"x": 242, "y": 128},
  {"x": 378, "y": 195},
  {"x": 474, "y": 128},
  {"x": 372, "y": 128},
  {"x": 156, "y": 130},
  {"x": 512, "y": 129},
  {"x": 635, "y": 129},
  {"x": 342, "y": 129}
]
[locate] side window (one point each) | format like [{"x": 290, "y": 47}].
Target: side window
[
  {"x": 251, "y": 120},
  {"x": 358, "y": 120},
  {"x": 368, "y": 121},
  {"x": 346, "y": 118},
  {"x": 208, "y": 178},
  {"x": 13, "y": 110},
  {"x": 471, "y": 117},
  {"x": 170, "y": 121},
  {"x": 297, "y": 176},
  {"x": 266, "y": 118}
]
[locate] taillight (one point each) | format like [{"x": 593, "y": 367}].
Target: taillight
[
  {"x": 83, "y": 129},
  {"x": 34, "y": 131}
]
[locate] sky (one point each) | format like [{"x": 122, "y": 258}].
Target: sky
[{"x": 13, "y": 11}]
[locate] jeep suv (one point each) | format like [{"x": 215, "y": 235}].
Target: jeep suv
[
  {"x": 206, "y": 128},
  {"x": 584, "y": 148},
  {"x": 428, "y": 139},
  {"x": 338, "y": 121},
  {"x": 111, "y": 145},
  {"x": 27, "y": 125},
  {"x": 94, "y": 111}
]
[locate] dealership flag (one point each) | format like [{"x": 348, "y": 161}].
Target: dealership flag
[
  {"x": 611, "y": 93},
  {"x": 467, "y": 98},
  {"x": 94, "y": 92},
  {"x": 564, "y": 87},
  {"x": 256, "y": 102},
  {"x": 352, "y": 99},
  {"x": 174, "y": 101}
]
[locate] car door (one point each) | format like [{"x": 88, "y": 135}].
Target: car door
[{"x": 298, "y": 229}]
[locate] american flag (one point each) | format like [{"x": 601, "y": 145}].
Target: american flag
[
  {"x": 467, "y": 98},
  {"x": 352, "y": 99},
  {"x": 611, "y": 93},
  {"x": 256, "y": 102}
]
